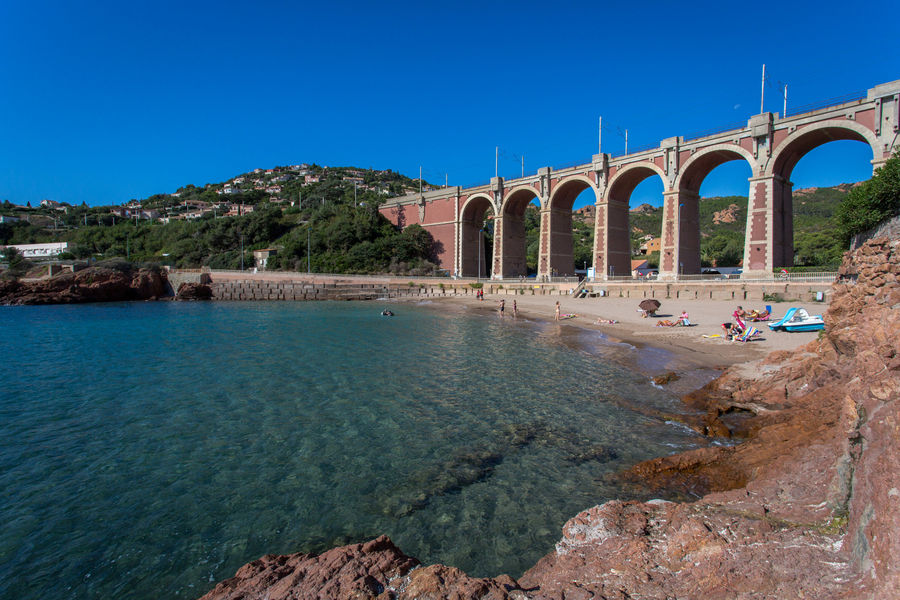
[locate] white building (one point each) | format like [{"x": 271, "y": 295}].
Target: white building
[{"x": 40, "y": 250}]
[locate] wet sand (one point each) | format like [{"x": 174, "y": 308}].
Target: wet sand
[{"x": 637, "y": 342}]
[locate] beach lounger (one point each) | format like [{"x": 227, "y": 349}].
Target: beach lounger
[{"x": 749, "y": 334}]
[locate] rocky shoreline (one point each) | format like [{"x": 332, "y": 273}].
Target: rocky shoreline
[
  {"x": 806, "y": 506},
  {"x": 119, "y": 282}
]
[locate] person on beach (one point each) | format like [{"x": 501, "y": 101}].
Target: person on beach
[
  {"x": 557, "y": 311},
  {"x": 502, "y": 306},
  {"x": 684, "y": 319},
  {"x": 727, "y": 330},
  {"x": 515, "y": 309},
  {"x": 739, "y": 316}
]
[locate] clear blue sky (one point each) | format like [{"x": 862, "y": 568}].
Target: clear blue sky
[{"x": 107, "y": 101}]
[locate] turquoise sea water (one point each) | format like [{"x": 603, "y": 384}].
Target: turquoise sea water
[{"x": 148, "y": 450}]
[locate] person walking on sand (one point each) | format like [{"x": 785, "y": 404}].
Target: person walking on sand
[
  {"x": 502, "y": 306},
  {"x": 515, "y": 309},
  {"x": 557, "y": 311}
]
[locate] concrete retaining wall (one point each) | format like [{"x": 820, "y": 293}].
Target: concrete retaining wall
[
  {"x": 257, "y": 289},
  {"x": 760, "y": 292}
]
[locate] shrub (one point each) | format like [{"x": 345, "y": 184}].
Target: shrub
[
  {"x": 116, "y": 264},
  {"x": 872, "y": 202}
]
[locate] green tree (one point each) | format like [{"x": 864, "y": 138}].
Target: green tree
[
  {"x": 18, "y": 265},
  {"x": 872, "y": 202}
]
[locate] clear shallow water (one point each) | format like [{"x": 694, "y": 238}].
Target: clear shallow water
[{"x": 149, "y": 449}]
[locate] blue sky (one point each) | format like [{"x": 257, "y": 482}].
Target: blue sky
[{"x": 107, "y": 101}]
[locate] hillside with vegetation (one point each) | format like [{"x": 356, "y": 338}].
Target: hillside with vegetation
[
  {"x": 326, "y": 214},
  {"x": 327, "y": 218}
]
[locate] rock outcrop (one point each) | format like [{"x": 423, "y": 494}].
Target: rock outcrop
[
  {"x": 94, "y": 284},
  {"x": 194, "y": 291},
  {"x": 808, "y": 505},
  {"x": 376, "y": 569}
]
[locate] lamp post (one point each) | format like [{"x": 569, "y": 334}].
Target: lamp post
[
  {"x": 308, "y": 228},
  {"x": 480, "y": 242}
]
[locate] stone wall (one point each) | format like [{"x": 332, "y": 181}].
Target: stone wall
[
  {"x": 262, "y": 289},
  {"x": 889, "y": 229}
]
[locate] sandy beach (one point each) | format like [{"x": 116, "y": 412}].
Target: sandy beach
[{"x": 637, "y": 341}]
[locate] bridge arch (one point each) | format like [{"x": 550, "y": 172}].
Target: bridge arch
[
  {"x": 799, "y": 143},
  {"x": 770, "y": 225},
  {"x": 622, "y": 184},
  {"x": 511, "y": 239},
  {"x": 557, "y": 252},
  {"x": 697, "y": 167},
  {"x": 474, "y": 251},
  {"x": 682, "y": 220},
  {"x": 612, "y": 231}
]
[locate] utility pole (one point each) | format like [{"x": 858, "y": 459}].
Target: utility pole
[
  {"x": 300, "y": 200},
  {"x": 523, "y": 166},
  {"x": 242, "y": 252},
  {"x": 599, "y": 135},
  {"x": 626, "y": 141},
  {"x": 762, "y": 91},
  {"x": 420, "y": 179},
  {"x": 446, "y": 180},
  {"x": 784, "y": 111},
  {"x": 355, "y": 204},
  {"x": 308, "y": 227}
]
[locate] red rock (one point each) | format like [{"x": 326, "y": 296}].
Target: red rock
[
  {"x": 94, "y": 284},
  {"x": 193, "y": 291}
]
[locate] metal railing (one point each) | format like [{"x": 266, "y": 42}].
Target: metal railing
[
  {"x": 569, "y": 165},
  {"x": 836, "y": 101},
  {"x": 637, "y": 150},
  {"x": 810, "y": 277},
  {"x": 715, "y": 131}
]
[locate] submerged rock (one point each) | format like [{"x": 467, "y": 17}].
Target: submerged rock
[{"x": 666, "y": 378}]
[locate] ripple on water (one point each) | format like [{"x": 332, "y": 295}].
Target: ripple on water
[{"x": 159, "y": 446}]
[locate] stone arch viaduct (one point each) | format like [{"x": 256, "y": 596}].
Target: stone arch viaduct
[{"x": 771, "y": 144}]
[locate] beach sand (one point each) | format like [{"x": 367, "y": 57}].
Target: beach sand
[{"x": 636, "y": 341}]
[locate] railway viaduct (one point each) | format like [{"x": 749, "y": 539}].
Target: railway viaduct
[{"x": 770, "y": 143}]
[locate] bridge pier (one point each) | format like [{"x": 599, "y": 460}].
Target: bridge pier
[
  {"x": 769, "y": 240},
  {"x": 680, "y": 249}
]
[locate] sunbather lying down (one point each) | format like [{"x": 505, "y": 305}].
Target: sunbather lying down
[
  {"x": 758, "y": 315},
  {"x": 667, "y": 323},
  {"x": 607, "y": 321}
]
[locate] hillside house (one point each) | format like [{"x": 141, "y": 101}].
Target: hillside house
[
  {"x": 638, "y": 266},
  {"x": 54, "y": 205},
  {"x": 261, "y": 257},
  {"x": 239, "y": 209},
  {"x": 650, "y": 246},
  {"x": 40, "y": 250}
]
